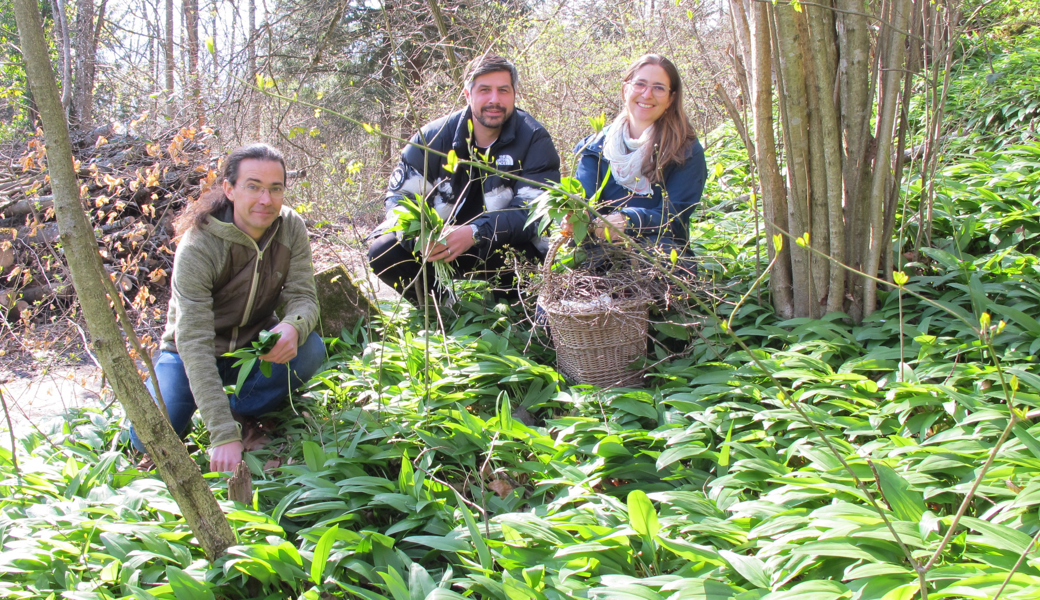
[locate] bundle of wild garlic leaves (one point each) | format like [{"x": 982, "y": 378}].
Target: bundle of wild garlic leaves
[{"x": 415, "y": 219}]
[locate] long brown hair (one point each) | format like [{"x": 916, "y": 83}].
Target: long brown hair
[
  {"x": 213, "y": 201},
  {"x": 673, "y": 132}
]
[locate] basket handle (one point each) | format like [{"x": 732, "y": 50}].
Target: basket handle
[{"x": 550, "y": 255}]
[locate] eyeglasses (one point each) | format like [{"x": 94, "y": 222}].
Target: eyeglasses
[
  {"x": 254, "y": 190},
  {"x": 658, "y": 90}
]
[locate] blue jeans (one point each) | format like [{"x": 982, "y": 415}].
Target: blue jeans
[{"x": 259, "y": 394}]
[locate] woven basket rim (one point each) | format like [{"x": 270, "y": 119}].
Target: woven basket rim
[{"x": 622, "y": 306}]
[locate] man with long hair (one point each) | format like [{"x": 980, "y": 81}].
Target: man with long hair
[
  {"x": 241, "y": 255},
  {"x": 483, "y": 210}
]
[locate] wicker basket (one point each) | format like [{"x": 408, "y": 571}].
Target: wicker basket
[{"x": 597, "y": 341}]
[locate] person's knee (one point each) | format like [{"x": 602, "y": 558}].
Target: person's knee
[
  {"x": 382, "y": 253},
  {"x": 309, "y": 357}
]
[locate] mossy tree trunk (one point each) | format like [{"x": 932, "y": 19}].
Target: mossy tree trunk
[{"x": 181, "y": 474}]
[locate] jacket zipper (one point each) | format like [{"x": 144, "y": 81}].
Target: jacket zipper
[{"x": 255, "y": 280}]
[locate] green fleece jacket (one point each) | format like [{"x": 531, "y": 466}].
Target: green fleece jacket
[{"x": 225, "y": 289}]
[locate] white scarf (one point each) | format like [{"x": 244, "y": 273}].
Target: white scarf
[{"x": 626, "y": 156}]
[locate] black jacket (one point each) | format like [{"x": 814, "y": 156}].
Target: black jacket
[{"x": 523, "y": 148}]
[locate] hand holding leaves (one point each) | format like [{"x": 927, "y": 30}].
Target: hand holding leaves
[{"x": 247, "y": 357}]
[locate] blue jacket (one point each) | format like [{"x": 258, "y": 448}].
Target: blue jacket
[
  {"x": 523, "y": 148},
  {"x": 648, "y": 216}
]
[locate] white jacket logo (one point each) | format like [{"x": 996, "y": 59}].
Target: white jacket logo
[{"x": 504, "y": 160}]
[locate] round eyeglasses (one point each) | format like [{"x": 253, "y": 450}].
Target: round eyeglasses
[{"x": 640, "y": 87}]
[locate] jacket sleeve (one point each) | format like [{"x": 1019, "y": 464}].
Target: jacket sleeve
[
  {"x": 412, "y": 175},
  {"x": 194, "y": 273},
  {"x": 541, "y": 163},
  {"x": 299, "y": 292},
  {"x": 591, "y": 166},
  {"x": 683, "y": 187}
]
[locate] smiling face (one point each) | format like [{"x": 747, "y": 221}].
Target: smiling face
[
  {"x": 257, "y": 195},
  {"x": 492, "y": 99},
  {"x": 646, "y": 105}
]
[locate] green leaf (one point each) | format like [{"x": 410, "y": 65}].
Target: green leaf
[
  {"x": 678, "y": 453},
  {"x": 724, "y": 453},
  {"x": 483, "y": 553},
  {"x": 406, "y": 478},
  {"x": 243, "y": 373},
  {"x": 749, "y": 567},
  {"x": 420, "y": 584},
  {"x": 997, "y": 536},
  {"x": 321, "y": 554},
  {"x": 641, "y": 514},
  {"x": 1027, "y": 439},
  {"x": 452, "y": 162},
  {"x": 266, "y": 341},
  {"x": 395, "y": 583},
  {"x": 907, "y": 504},
  {"x": 187, "y": 588},
  {"x": 444, "y": 544},
  {"x": 313, "y": 455}
]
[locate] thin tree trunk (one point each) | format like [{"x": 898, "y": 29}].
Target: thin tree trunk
[
  {"x": 81, "y": 116},
  {"x": 170, "y": 60},
  {"x": 774, "y": 196},
  {"x": 796, "y": 125},
  {"x": 61, "y": 30},
  {"x": 891, "y": 76},
  {"x": 191, "y": 24},
  {"x": 251, "y": 40},
  {"x": 215, "y": 54},
  {"x": 446, "y": 41},
  {"x": 742, "y": 30},
  {"x": 823, "y": 54},
  {"x": 856, "y": 94},
  {"x": 181, "y": 474}
]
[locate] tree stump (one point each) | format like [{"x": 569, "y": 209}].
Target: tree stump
[{"x": 240, "y": 486}]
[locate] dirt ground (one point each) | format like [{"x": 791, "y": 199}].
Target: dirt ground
[{"x": 47, "y": 369}]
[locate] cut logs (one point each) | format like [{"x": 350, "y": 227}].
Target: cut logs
[{"x": 131, "y": 188}]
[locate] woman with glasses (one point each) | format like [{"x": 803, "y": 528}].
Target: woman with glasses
[{"x": 648, "y": 161}]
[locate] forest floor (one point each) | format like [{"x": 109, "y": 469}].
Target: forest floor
[{"x": 47, "y": 370}]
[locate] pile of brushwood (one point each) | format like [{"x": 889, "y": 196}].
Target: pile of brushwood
[{"x": 131, "y": 187}]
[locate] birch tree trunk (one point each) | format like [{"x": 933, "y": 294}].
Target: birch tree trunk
[{"x": 181, "y": 474}]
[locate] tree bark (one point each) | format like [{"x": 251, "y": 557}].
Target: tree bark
[
  {"x": 181, "y": 474},
  {"x": 251, "y": 41},
  {"x": 837, "y": 155},
  {"x": 61, "y": 30},
  {"x": 446, "y": 40},
  {"x": 191, "y": 24},
  {"x": 774, "y": 196},
  {"x": 822, "y": 51},
  {"x": 169, "y": 58},
  {"x": 81, "y": 115},
  {"x": 888, "y": 101},
  {"x": 795, "y": 119}
]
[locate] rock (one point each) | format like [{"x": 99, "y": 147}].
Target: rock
[{"x": 341, "y": 301}]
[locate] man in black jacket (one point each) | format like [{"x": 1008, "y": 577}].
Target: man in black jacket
[{"x": 485, "y": 211}]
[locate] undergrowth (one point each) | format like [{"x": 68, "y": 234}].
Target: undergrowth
[{"x": 828, "y": 460}]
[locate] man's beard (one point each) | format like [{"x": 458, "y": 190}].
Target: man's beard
[{"x": 488, "y": 123}]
